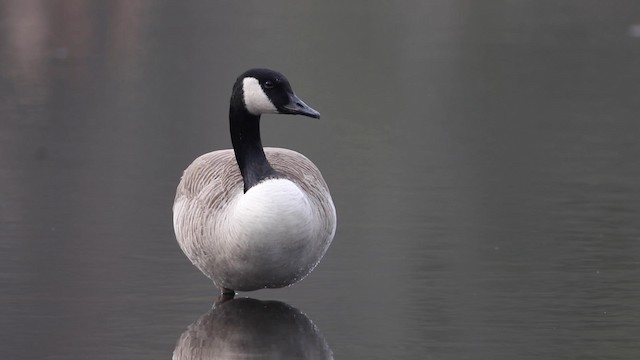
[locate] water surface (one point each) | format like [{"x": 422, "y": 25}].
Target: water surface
[{"x": 482, "y": 156}]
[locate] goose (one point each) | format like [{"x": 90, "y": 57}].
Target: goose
[{"x": 251, "y": 217}]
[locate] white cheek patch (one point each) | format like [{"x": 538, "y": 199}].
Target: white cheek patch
[{"x": 256, "y": 101}]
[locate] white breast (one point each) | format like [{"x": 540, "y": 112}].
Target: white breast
[{"x": 274, "y": 213}]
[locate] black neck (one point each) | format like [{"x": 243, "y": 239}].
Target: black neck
[{"x": 245, "y": 137}]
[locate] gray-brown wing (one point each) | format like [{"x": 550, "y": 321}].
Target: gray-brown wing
[
  {"x": 220, "y": 168},
  {"x": 217, "y": 172},
  {"x": 298, "y": 168},
  {"x": 203, "y": 194}
]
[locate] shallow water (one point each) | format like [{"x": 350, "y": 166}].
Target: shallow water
[{"x": 482, "y": 156}]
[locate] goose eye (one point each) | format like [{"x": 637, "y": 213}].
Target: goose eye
[{"x": 268, "y": 85}]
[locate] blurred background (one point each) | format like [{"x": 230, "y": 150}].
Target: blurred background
[{"x": 482, "y": 156}]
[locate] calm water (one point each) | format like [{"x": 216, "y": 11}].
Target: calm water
[{"x": 482, "y": 156}]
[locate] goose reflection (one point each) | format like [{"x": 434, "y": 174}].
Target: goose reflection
[{"x": 247, "y": 328}]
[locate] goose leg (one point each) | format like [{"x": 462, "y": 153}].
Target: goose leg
[
  {"x": 228, "y": 292},
  {"x": 225, "y": 295}
]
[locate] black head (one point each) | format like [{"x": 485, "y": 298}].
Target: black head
[{"x": 265, "y": 91}]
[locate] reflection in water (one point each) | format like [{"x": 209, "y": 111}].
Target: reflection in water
[{"x": 248, "y": 328}]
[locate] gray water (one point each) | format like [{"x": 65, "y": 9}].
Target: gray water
[{"x": 482, "y": 156}]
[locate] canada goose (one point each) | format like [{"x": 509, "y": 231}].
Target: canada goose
[{"x": 253, "y": 218}]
